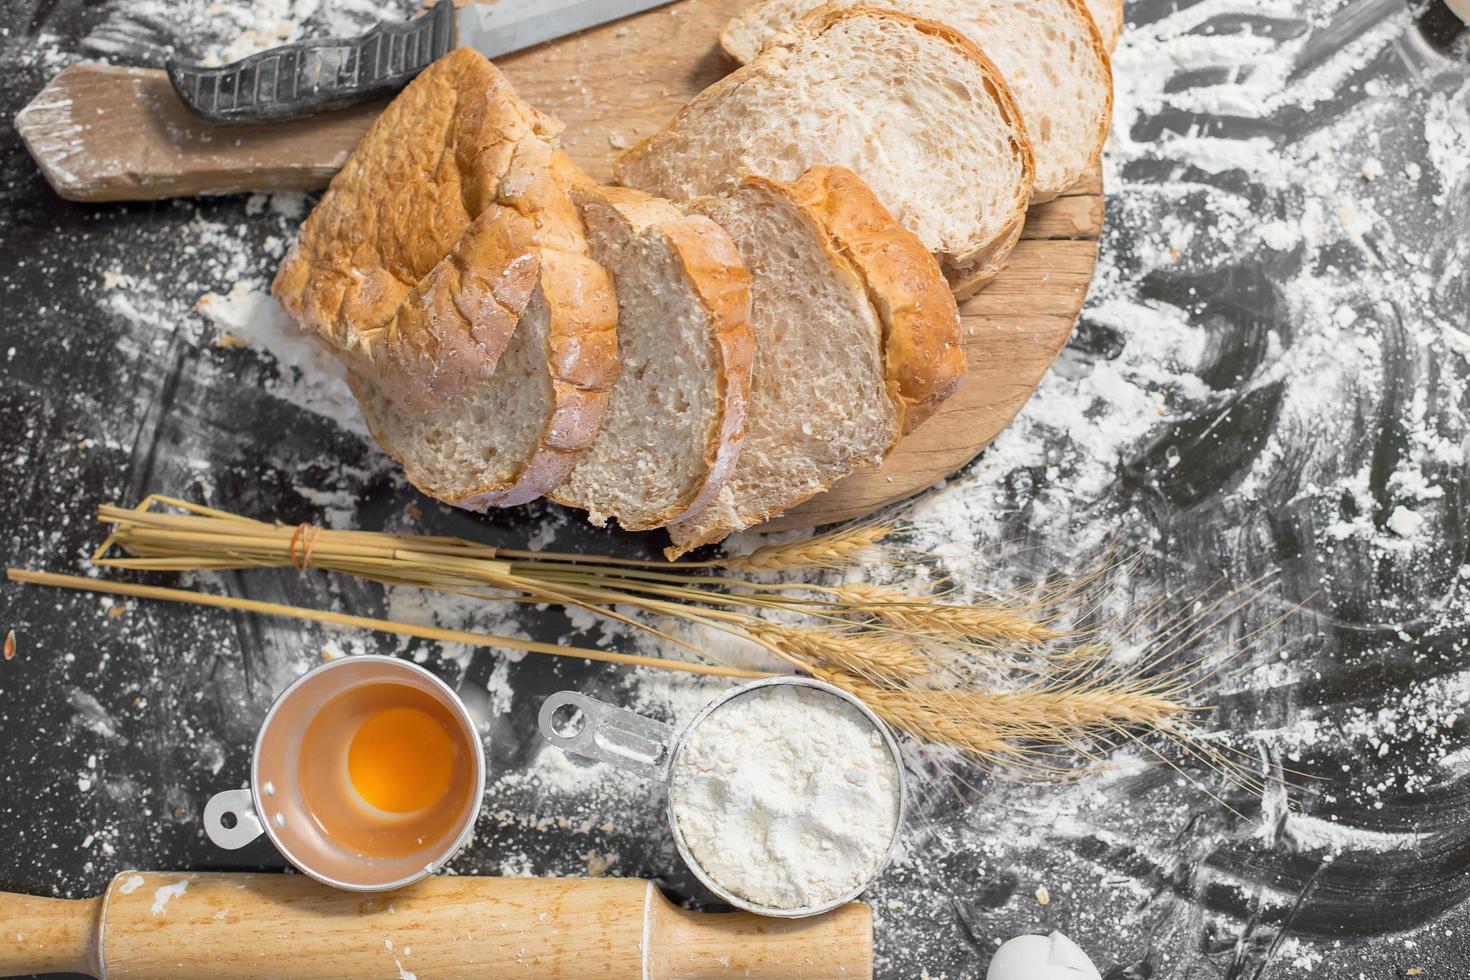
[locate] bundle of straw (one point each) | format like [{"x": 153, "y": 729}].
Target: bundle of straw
[{"x": 1003, "y": 682}]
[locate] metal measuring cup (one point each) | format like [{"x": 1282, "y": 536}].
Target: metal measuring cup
[
  {"x": 649, "y": 748},
  {"x": 275, "y": 805}
]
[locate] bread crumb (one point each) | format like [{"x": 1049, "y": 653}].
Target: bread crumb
[
  {"x": 10, "y": 645},
  {"x": 598, "y": 864},
  {"x": 1043, "y": 897},
  {"x": 617, "y": 141},
  {"x": 1372, "y": 168},
  {"x": 228, "y": 340}
]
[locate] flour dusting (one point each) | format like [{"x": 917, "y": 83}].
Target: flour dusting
[
  {"x": 1268, "y": 381},
  {"x": 166, "y": 893},
  {"x": 786, "y": 796}
]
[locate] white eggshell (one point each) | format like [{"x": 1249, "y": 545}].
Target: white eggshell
[{"x": 1053, "y": 957}]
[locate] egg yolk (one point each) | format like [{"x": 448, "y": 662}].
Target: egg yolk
[{"x": 401, "y": 760}]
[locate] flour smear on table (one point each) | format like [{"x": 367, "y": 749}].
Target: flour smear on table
[{"x": 1269, "y": 377}]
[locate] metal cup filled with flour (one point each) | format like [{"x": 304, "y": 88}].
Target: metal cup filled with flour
[{"x": 786, "y": 795}]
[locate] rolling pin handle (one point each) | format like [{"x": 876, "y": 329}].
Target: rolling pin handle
[
  {"x": 230, "y": 820},
  {"x": 596, "y": 730},
  {"x": 48, "y": 935}
]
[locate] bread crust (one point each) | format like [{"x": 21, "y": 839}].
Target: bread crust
[
  {"x": 718, "y": 273},
  {"x": 1113, "y": 29},
  {"x": 391, "y": 271},
  {"x": 1101, "y": 48},
  {"x": 729, "y": 35},
  {"x": 583, "y": 361},
  {"x": 971, "y": 268},
  {"x": 684, "y": 539},
  {"x": 733, "y": 44},
  {"x": 714, "y": 268},
  {"x": 534, "y": 212},
  {"x": 922, "y": 356},
  {"x": 984, "y": 262}
]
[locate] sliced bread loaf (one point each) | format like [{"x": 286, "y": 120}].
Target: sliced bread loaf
[
  {"x": 911, "y": 106},
  {"x": 854, "y": 330},
  {"x": 923, "y": 361},
  {"x": 1108, "y": 15},
  {"x": 512, "y": 436},
  {"x": 1048, "y": 50},
  {"x": 676, "y": 416},
  {"x": 392, "y": 270}
]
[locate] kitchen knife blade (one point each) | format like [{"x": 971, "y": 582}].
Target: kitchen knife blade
[
  {"x": 330, "y": 73},
  {"x": 494, "y": 29}
]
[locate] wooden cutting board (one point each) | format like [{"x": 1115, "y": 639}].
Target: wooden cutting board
[{"x": 110, "y": 133}]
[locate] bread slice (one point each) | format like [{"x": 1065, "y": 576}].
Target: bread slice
[
  {"x": 911, "y": 106},
  {"x": 676, "y": 416},
  {"x": 854, "y": 329},
  {"x": 512, "y": 436},
  {"x": 398, "y": 225},
  {"x": 923, "y": 360},
  {"x": 1048, "y": 50},
  {"x": 1108, "y": 16}
]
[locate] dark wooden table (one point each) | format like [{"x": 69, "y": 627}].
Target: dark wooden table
[{"x": 1301, "y": 247}]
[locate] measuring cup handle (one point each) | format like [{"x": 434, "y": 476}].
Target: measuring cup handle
[
  {"x": 239, "y": 804},
  {"x": 607, "y": 733}
]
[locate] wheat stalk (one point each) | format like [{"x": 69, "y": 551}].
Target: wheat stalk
[
  {"x": 906, "y": 710},
  {"x": 209, "y": 540},
  {"x": 1079, "y": 710},
  {"x": 994, "y": 624},
  {"x": 836, "y": 549},
  {"x": 435, "y": 633},
  {"x": 1011, "y": 728},
  {"x": 995, "y": 679},
  {"x": 859, "y": 653}
]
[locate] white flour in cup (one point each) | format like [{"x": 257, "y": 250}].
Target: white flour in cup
[{"x": 786, "y": 796}]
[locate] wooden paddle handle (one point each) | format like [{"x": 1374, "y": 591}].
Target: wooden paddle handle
[
  {"x": 239, "y": 926},
  {"x": 106, "y": 133}
]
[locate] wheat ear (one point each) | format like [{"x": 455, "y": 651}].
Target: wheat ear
[
  {"x": 865, "y": 654},
  {"x": 836, "y": 549},
  {"x": 1011, "y": 726},
  {"x": 995, "y": 624}
]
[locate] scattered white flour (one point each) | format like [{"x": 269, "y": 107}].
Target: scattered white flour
[
  {"x": 133, "y": 883},
  {"x": 786, "y": 796},
  {"x": 248, "y": 316},
  {"x": 163, "y": 894},
  {"x": 1226, "y": 169}
]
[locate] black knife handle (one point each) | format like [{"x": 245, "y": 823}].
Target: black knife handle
[{"x": 310, "y": 76}]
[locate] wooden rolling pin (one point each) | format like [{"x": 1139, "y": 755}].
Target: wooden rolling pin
[{"x": 234, "y": 926}]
